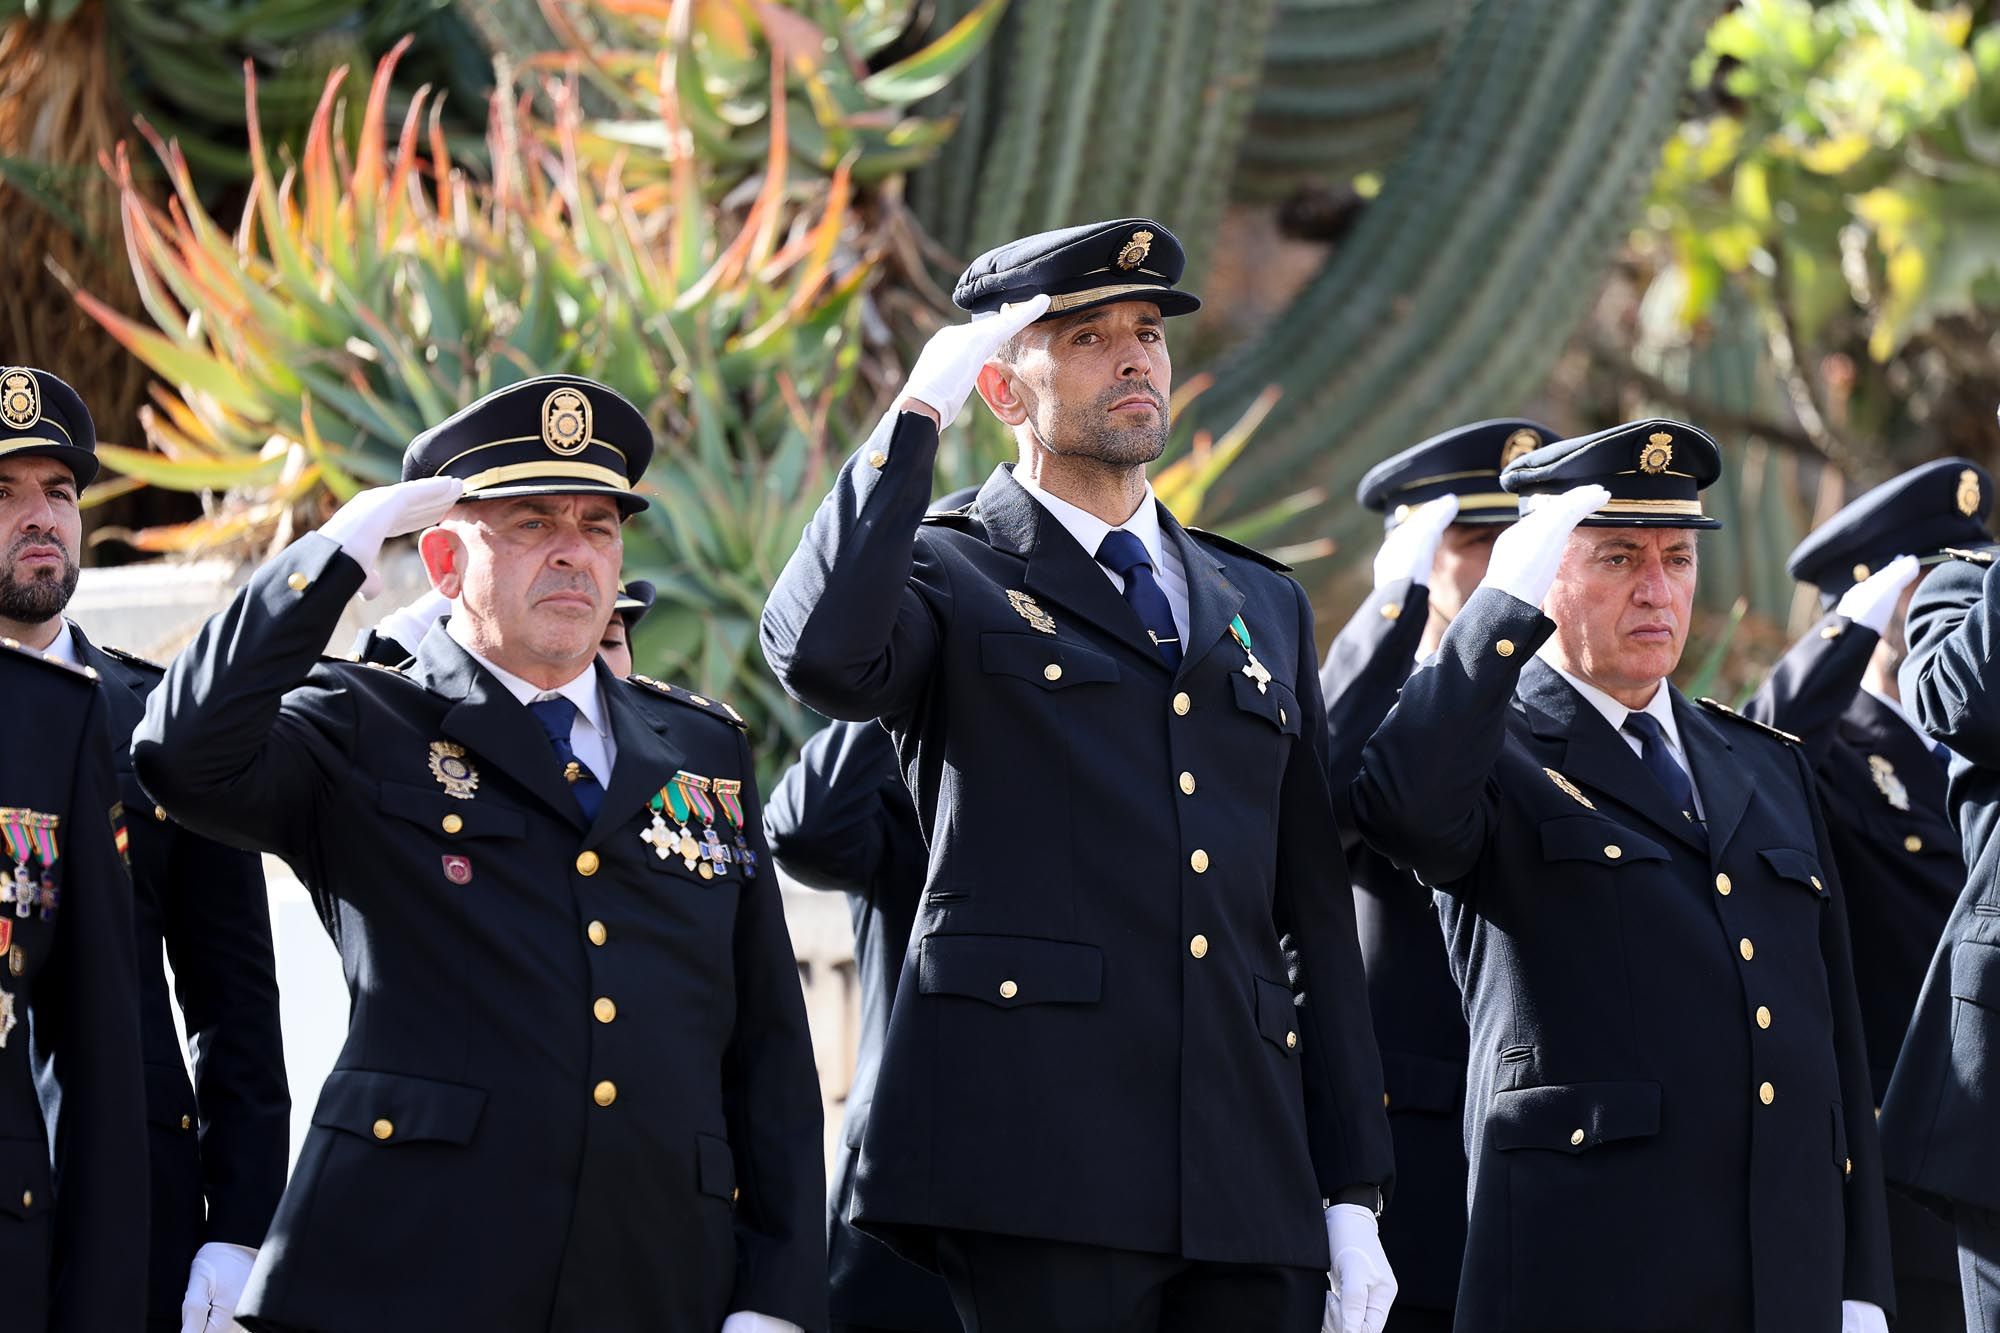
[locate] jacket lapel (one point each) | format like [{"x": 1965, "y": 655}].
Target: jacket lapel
[
  {"x": 1721, "y": 782},
  {"x": 647, "y": 759},
  {"x": 1213, "y": 600},
  {"x": 492, "y": 723},
  {"x": 122, "y": 704},
  {"x": 1595, "y": 757}
]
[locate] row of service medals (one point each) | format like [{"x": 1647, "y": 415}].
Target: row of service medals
[
  {"x": 30, "y": 838},
  {"x": 692, "y": 799}
]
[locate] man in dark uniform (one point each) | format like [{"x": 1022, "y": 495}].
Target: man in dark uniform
[
  {"x": 841, "y": 820},
  {"x": 1099, "y": 1106},
  {"x": 72, "y": 1098},
  {"x": 219, "y": 1146},
  {"x": 577, "y": 1091},
  {"x": 1442, "y": 506},
  {"x": 1883, "y": 786},
  {"x": 1938, "y": 1119},
  {"x": 1668, "y": 1115}
]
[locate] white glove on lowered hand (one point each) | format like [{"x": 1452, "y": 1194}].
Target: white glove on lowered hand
[
  {"x": 1527, "y": 556},
  {"x": 372, "y": 517},
  {"x": 1363, "y": 1288},
  {"x": 407, "y": 625},
  {"x": 1862, "y": 1317},
  {"x": 1872, "y": 601},
  {"x": 948, "y": 367},
  {"x": 215, "y": 1285},
  {"x": 1408, "y": 551},
  {"x": 748, "y": 1321}
]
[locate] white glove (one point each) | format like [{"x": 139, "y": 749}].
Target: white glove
[
  {"x": 1872, "y": 602},
  {"x": 1407, "y": 552},
  {"x": 948, "y": 367},
  {"x": 372, "y": 517},
  {"x": 1363, "y": 1288},
  {"x": 1527, "y": 556},
  {"x": 215, "y": 1285},
  {"x": 407, "y": 625},
  {"x": 1862, "y": 1317},
  {"x": 746, "y": 1321}
]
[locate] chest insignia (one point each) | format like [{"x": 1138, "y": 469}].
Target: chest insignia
[
  {"x": 1030, "y": 610},
  {"x": 1887, "y": 782},
  {"x": 30, "y": 838},
  {"x": 1568, "y": 788},
  {"x": 1252, "y": 668},
  {"x": 453, "y": 770}
]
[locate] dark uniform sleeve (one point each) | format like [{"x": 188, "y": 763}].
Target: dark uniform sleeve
[
  {"x": 1346, "y": 1126},
  {"x": 1365, "y": 669},
  {"x": 85, "y": 1051},
  {"x": 1424, "y": 796},
  {"x": 218, "y": 937},
  {"x": 1954, "y": 632},
  {"x": 1815, "y": 681},
  {"x": 771, "y": 1098},
  {"x": 840, "y": 819},
  {"x": 232, "y": 744},
  {"x": 851, "y": 626},
  {"x": 372, "y": 645}
]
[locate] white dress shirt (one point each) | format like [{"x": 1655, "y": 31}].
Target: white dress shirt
[
  {"x": 64, "y": 648},
  {"x": 589, "y": 734},
  {"x": 1660, "y": 708},
  {"x": 1090, "y": 531}
]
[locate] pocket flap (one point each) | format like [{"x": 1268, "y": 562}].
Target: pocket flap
[
  {"x": 451, "y": 819},
  {"x": 1584, "y": 838},
  {"x": 1573, "y": 1117},
  {"x": 25, "y": 1190},
  {"x": 1010, "y": 970},
  {"x": 1801, "y": 868},
  {"x": 398, "y": 1108},
  {"x": 715, "y": 1167},
  {"x": 1421, "y": 1083},
  {"x": 1975, "y": 973},
  {"x": 1278, "y": 1016},
  {"x": 1046, "y": 661},
  {"x": 1276, "y": 704}
]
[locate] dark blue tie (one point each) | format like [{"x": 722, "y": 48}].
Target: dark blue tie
[
  {"x": 1653, "y": 753},
  {"x": 557, "y": 716},
  {"x": 1125, "y": 555},
  {"x": 1941, "y": 754}
]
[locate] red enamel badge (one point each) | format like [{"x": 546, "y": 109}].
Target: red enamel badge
[
  {"x": 6, "y": 934},
  {"x": 458, "y": 869}
]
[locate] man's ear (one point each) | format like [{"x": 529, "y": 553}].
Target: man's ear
[
  {"x": 997, "y": 387},
  {"x": 443, "y": 554}
]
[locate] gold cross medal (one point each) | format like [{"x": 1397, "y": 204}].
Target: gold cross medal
[{"x": 1252, "y": 668}]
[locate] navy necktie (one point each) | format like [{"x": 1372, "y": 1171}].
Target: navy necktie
[
  {"x": 1653, "y": 753},
  {"x": 1125, "y": 555},
  {"x": 1943, "y": 755},
  {"x": 557, "y": 716}
]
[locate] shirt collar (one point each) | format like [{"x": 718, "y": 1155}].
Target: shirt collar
[
  {"x": 1893, "y": 705},
  {"x": 580, "y": 690},
  {"x": 1090, "y": 530},
  {"x": 64, "y": 648},
  {"x": 1660, "y": 707}
]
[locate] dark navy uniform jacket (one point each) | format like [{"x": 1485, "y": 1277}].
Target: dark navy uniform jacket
[
  {"x": 842, "y": 821},
  {"x": 1668, "y": 1113},
  {"x": 220, "y": 1146},
  {"x": 73, "y": 1149},
  {"x": 577, "y": 1091},
  {"x": 1094, "y": 1040},
  {"x": 1938, "y": 1120},
  {"x": 1419, "y": 1019}
]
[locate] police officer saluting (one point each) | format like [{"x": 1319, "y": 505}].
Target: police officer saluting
[
  {"x": 1883, "y": 785},
  {"x": 577, "y": 1091},
  {"x": 1668, "y": 1115},
  {"x": 1441, "y": 507},
  {"x": 1099, "y": 1106}
]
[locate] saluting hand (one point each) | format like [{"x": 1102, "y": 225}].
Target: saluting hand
[
  {"x": 949, "y": 365},
  {"x": 1527, "y": 556},
  {"x": 1362, "y": 1285},
  {"x": 1872, "y": 602},
  {"x": 372, "y": 517},
  {"x": 1408, "y": 552}
]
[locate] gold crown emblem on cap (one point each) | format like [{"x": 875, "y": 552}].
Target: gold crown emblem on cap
[
  {"x": 566, "y": 421},
  {"x": 1523, "y": 441},
  {"x": 1968, "y": 492},
  {"x": 20, "y": 399},
  {"x": 1136, "y": 250},
  {"x": 1657, "y": 454}
]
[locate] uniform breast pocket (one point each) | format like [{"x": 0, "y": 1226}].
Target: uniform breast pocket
[
  {"x": 451, "y": 819},
  {"x": 1045, "y": 662},
  {"x": 1275, "y": 704},
  {"x": 1597, "y": 841},
  {"x": 1797, "y": 868}
]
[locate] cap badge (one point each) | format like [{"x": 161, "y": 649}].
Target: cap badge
[
  {"x": 1136, "y": 250},
  {"x": 1968, "y": 492},
  {"x": 1522, "y": 441},
  {"x": 566, "y": 421},
  {"x": 454, "y": 774},
  {"x": 1657, "y": 454},
  {"x": 1887, "y": 782},
  {"x": 20, "y": 399}
]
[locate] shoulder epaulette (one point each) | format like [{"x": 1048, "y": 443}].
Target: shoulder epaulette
[
  {"x": 1973, "y": 557},
  {"x": 131, "y": 659},
  {"x": 691, "y": 699},
  {"x": 16, "y": 647},
  {"x": 1233, "y": 547},
  {"x": 958, "y": 520},
  {"x": 1724, "y": 710}
]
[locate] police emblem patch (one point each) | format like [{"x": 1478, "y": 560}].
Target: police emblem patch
[
  {"x": 1029, "y": 610},
  {"x": 20, "y": 399},
  {"x": 450, "y": 767},
  {"x": 1658, "y": 453},
  {"x": 1135, "y": 250},
  {"x": 566, "y": 421},
  {"x": 1892, "y": 788}
]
